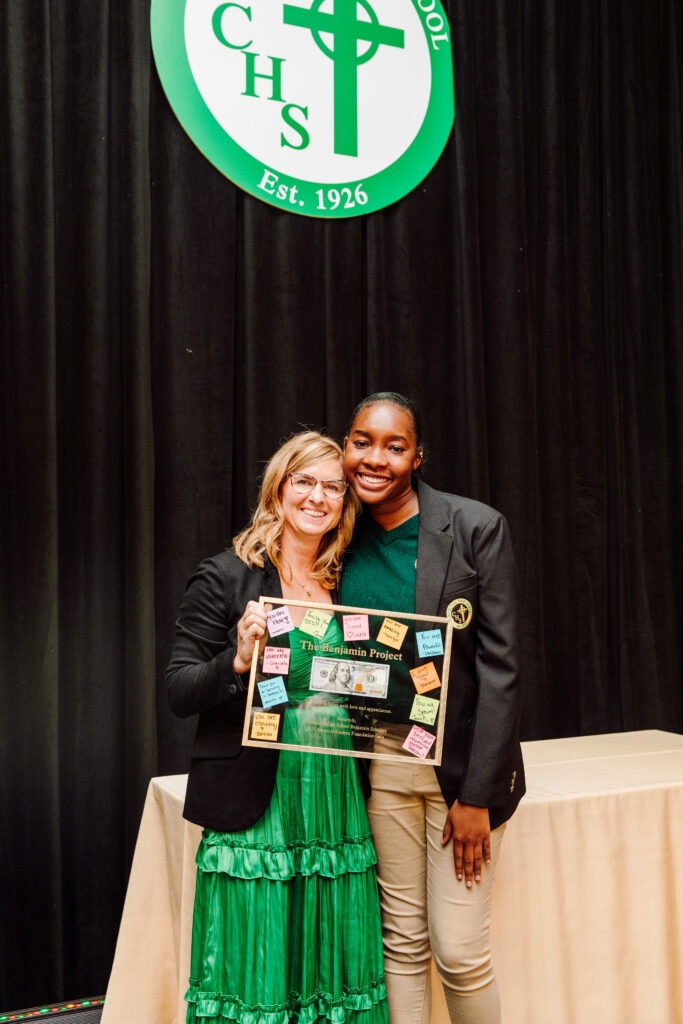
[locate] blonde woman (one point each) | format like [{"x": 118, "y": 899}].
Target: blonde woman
[{"x": 286, "y": 922}]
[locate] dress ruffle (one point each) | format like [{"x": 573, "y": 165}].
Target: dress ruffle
[
  {"x": 321, "y": 1006},
  {"x": 228, "y": 855}
]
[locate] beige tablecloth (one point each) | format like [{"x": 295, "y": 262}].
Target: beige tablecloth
[{"x": 588, "y": 902}]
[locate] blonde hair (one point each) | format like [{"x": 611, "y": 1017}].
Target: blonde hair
[{"x": 264, "y": 532}]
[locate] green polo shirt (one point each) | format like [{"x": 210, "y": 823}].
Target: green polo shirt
[{"x": 379, "y": 566}]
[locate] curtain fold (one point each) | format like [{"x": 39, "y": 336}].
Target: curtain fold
[{"x": 162, "y": 332}]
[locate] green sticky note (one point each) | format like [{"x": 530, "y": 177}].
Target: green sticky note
[
  {"x": 315, "y": 623},
  {"x": 425, "y": 709}
]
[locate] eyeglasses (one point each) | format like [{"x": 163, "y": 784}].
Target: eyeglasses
[{"x": 304, "y": 484}]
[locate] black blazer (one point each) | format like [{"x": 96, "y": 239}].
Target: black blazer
[
  {"x": 229, "y": 786},
  {"x": 465, "y": 560}
]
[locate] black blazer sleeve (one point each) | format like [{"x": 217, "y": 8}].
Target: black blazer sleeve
[
  {"x": 200, "y": 674},
  {"x": 494, "y": 731}
]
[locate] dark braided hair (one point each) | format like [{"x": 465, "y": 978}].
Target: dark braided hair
[{"x": 395, "y": 399}]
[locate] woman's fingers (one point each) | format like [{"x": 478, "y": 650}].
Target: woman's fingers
[
  {"x": 458, "y": 849},
  {"x": 253, "y": 621},
  {"x": 476, "y": 863},
  {"x": 469, "y": 827},
  {"x": 467, "y": 858},
  {"x": 250, "y": 628}
]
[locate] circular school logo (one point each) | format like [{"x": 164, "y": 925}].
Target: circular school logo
[
  {"x": 460, "y": 611},
  {"x": 330, "y": 108}
]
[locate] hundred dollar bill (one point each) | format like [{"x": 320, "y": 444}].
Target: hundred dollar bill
[{"x": 359, "y": 677}]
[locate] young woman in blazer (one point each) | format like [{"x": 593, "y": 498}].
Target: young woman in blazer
[
  {"x": 438, "y": 831},
  {"x": 286, "y": 922}
]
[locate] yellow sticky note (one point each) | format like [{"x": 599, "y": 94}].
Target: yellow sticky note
[
  {"x": 315, "y": 623},
  {"x": 392, "y": 633},
  {"x": 425, "y": 677},
  {"x": 264, "y": 726}
]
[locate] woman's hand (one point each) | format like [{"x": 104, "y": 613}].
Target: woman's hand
[
  {"x": 250, "y": 628},
  {"x": 470, "y": 829}
]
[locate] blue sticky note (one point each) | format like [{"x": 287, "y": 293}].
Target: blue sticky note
[
  {"x": 273, "y": 691},
  {"x": 429, "y": 643}
]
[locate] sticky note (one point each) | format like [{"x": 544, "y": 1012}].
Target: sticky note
[
  {"x": 356, "y": 627},
  {"x": 419, "y": 741},
  {"x": 264, "y": 726},
  {"x": 392, "y": 633},
  {"x": 273, "y": 691},
  {"x": 424, "y": 709},
  {"x": 315, "y": 623},
  {"x": 276, "y": 660},
  {"x": 279, "y": 621},
  {"x": 425, "y": 677},
  {"x": 429, "y": 643}
]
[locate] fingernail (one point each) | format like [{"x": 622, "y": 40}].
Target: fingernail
[
  {"x": 477, "y": 878},
  {"x": 460, "y": 878},
  {"x": 469, "y": 884}
]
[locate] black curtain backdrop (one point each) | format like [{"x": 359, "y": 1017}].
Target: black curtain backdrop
[{"x": 162, "y": 332}]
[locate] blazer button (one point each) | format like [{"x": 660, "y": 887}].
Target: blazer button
[{"x": 232, "y": 688}]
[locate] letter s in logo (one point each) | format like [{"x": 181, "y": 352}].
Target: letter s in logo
[{"x": 288, "y": 118}]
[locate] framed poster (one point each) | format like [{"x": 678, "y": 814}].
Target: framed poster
[{"x": 359, "y": 682}]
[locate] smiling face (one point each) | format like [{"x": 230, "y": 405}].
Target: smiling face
[
  {"x": 311, "y": 515},
  {"x": 380, "y": 455}
]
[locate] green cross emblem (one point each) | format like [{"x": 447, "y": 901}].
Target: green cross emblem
[{"x": 343, "y": 24}]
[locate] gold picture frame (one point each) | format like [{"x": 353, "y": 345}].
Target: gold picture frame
[{"x": 375, "y": 686}]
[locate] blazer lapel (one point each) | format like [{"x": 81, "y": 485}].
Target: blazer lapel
[{"x": 433, "y": 550}]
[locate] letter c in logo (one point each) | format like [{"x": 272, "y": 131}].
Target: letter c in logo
[{"x": 217, "y": 24}]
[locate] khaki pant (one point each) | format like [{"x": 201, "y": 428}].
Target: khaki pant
[{"x": 425, "y": 909}]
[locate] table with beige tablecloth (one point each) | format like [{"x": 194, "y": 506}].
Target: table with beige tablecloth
[{"x": 588, "y": 902}]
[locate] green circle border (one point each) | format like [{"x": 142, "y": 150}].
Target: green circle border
[{"x": 167, "y": 22}]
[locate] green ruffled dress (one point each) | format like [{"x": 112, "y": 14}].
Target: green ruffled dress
[{"x": 286, "y": 920}]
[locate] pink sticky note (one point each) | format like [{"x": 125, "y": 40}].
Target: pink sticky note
[
  {"x": 279, "y": 621},
  {"x": 276, "y": 660},
  {"x": 356, "y": 627},
  {"x": 419, "y": 741}
]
